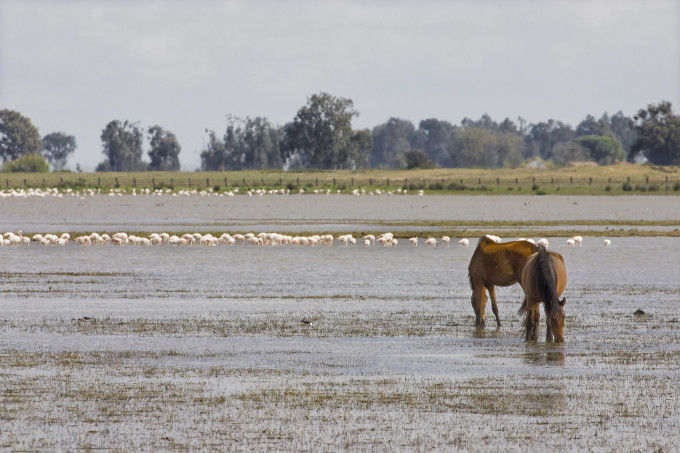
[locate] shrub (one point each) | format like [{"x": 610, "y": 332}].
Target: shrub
[
  {"x": 608, "y": 188},
  {"x": 534, "y": 187},
  {"x": 436, "y": 186},
  {"x": 28, "y": 163},
  {"x": 456, "y": 186},
  {"x": 626, "y": 187},
  {"x": 676, "y": 186}
]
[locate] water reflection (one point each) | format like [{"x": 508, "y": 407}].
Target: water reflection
[
  {"x": 545, "y": 354},
  {"x": 482, "y": 332}
]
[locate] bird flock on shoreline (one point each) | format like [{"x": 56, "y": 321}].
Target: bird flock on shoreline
[
  {"x": 263, "y": 239},
  {"x": 56, "y": 193}
]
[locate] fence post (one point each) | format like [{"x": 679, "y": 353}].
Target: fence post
[
  {"x": 25, "y": 184},
  {"x": 552, "y": 180},
  {"x": 646, "y": 179},
  {"x": 571, "y": 180},
  {"x": 479, "y": 181},
  {"x": 189, "y": 182},
  {"x": 388, "y": 181},
  {"x": 352, "y": 182},
  {"x": 153, "y": 182},
  {"x": 134, "y": 182},
  {"x": 225, "y": 183},
  {"x": 370, "y": 182},
  {"x": 590, "y": 180},
  {"x": 498, "y": 181},
  {"x": 207, "y": 182}
]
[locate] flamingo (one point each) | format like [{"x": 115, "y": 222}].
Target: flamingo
[
  {"x": 446, "y": 240},
  {"x": 571, "y": 242},
  {"x": 464, "y": 242},
  {"x": 544, "y": 242},
  {"x": 414, "y": 241},
  {"x": 607, "y": 242},
  {"x": 432, "y": 242}
]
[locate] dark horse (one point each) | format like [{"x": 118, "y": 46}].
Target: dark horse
[
  {"x": 543, "y": 280},
  {"x": 495, "y": 263}
]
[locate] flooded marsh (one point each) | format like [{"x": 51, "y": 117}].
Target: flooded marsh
[{"x": 328, "y": 348}]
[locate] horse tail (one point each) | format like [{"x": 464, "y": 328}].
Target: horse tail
[{"x": 545, "y": 277}]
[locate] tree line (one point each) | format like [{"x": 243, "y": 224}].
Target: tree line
[{"x": 321, "y": 136}]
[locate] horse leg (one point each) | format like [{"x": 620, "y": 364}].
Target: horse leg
[
  {"x": 494, "y": 306},
  {"x": 479, "y": 304},
  {"x": 548, "y": 330},
  {"x": 532, "y": 319},
  {"x": 537, "y": 318}
]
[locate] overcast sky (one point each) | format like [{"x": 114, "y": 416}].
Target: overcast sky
[{"x": 73, "y": 66}]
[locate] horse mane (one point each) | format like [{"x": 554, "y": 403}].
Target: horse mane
[{"x": 545, "y": 278}]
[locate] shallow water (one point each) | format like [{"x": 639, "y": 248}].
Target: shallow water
[
  {"x": 331, "y": 348},
  {"x": 300, "y": 212}
]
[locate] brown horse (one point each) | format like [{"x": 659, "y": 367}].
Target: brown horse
[
  {"x": 543, "y": 280},
  {"x": 495, "y": 263}
]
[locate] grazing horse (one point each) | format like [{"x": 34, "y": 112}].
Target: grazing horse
[
  {"x": 543, "y": 280},
  {"x": 495, "y": 263}
]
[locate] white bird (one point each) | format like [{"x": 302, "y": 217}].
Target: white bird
[
  {"x": 414, "y": 241},
  {"x": 544, "y": 242},
  {"x": 493, "y": 237},
  {"x": 432, "y": 242},
  {"x": 446, "y": 240},
  {"x": 571, "y": 242},
  {"x": 607, "y": 242},
  {"x": 464, "y": 242}
]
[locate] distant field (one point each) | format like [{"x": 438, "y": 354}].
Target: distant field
[{"x": 613, "y": 179}]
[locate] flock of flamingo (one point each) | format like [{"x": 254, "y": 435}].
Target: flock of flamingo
[
  {"x": 272, "y": 239},
  {"x": 55, "y": 192}
]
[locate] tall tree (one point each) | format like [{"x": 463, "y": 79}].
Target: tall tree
[
  {"x": 438, "y": 138},
  {"x": 56, "y": 148},
  {"x": 322, "y": 132},
  {"x": 164, "y": 152},
  {"x": 658, "y": 134},
  {"x": 212, "y": 156},
  {"x": 623, "y": 129},
  {"x": 545, "y": 135},
  {"x": 247, "y": 143},
  {"x": 122, "y": 145},
  {"x": 391, "y": 141},
  {"x": 18, "y": 135}
]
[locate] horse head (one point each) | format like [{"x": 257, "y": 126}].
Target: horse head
[{"x": 556, "y": 319}]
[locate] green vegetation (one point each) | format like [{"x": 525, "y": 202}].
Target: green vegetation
[
  {"x": 28, "y": 163},
  {"x": 320, "y": 136},
  {"x": 579, "y": 180}
]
